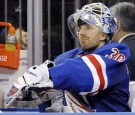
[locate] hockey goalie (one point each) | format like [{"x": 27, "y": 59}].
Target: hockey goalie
[{"x": 91, "y": 77}]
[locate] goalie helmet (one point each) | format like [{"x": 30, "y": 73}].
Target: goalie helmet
[{"x": 96, "y": 14}]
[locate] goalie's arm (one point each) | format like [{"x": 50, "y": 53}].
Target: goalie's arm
[{"x": 87, "y": 74}]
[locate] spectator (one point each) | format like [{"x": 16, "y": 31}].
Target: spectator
[{"x": 124, "y": 12}]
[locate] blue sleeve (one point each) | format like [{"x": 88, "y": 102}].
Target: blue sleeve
[
  {"x": 72, "y": 74},
  {"x": 90, "y": 73}
]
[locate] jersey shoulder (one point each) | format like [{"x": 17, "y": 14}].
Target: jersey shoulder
[
  {"x": 69, "y": 54},
  {"x": 113, "y": 48}
]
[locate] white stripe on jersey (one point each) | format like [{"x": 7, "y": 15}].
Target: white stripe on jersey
[
  {"x": 94, "y": 72},
  {"x": 103, "y": 65},
  {"x": 96, "y": 83}
]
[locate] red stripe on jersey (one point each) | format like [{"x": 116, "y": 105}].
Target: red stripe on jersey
[{"x": 98, "y": 67}]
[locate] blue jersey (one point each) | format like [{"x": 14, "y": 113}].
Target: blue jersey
[{"x": 100, "y": 75}]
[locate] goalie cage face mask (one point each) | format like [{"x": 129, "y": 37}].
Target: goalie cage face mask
[{"x": 96, "y": 14}]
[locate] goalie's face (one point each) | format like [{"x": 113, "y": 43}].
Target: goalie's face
[{"x": 90, "y": 37}]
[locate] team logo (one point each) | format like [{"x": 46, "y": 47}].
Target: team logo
[{"x": 12, "y": 91}]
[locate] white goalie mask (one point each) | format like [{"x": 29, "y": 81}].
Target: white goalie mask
[{"x": 96, "y": 14}]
